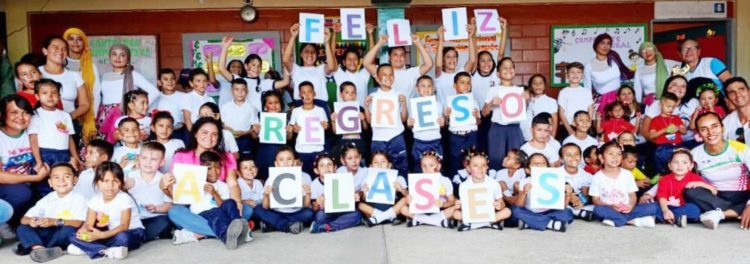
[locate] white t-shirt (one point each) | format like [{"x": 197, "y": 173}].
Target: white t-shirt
[
  {"x": 112, "y": 89},
  {"x": 255, "y": 89},
  {"x": 147, "y": 193},
  {"x": 492, "y": 187},
  {"x": 70, "y": 207},
  {"x": 360, "y": 79},
  {"x": 509, "y": 180},
  {"x": 709, "y": 68},
  {"x": 144, "y": 124},
  {"x": 579, "y": 180},
  {"x": 359, "y": 177},
  {"x": 85, "y": 184},
  {"x": 174, "y": 104},
  {"x": 574, "y": 99},
  {"x": 75, "y": 65},
  {"x": 387, "y": 133},
  {"x": 613, "y": 191},
  {"x": 230, "y": 144},
  {"x": 169, "y": 150},
  {"x": 298, "y": 118},
  {"x": 444, "y": 86},
  {"x": 481, "y": 84},
  {"x": 405, "y": 80},
  {"x": 195, "y": 101},
  {"x": 461, "y": 176},
  {"x": 208, "y": 201},
  {"x": 684, "y": 111},
  {"x": 314, "y": 74},
  {"x": 430, "y": 134},
  {"x": 551, "y": 150},
  {"x": 122, "y": 151},
  {"x": 70, "y": 81},
  {"x": 15, "y": 153},
  {"x": 493, "y": 93},
  {"x": 537, "y": 105},
  {"x": 254, "y": 193},
  {"x": 110, "y": 213},
  {"x": 645, "y": 81},
  {"x": 731, "y": 124},
  {"x": 239, "y": 117},
  {"x": 583, "y": 144},
  {"x": 604, "y": 81},
  {"x": 473, "y": 127},
  {"x": 53, "y": 128},
  {"x": 305, "y": 180},
  {"x": 727, "y": 171}
]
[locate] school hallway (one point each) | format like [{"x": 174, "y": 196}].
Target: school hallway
[{"x": 583, "y": 243}]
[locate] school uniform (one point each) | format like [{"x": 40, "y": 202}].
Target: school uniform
[
  {"x": 425, "y": 140},
  {"x": 550, "y": 151},
  {"x": 356, "y": 139},
  {"x": 510, "y": 180},
  {"x": 480, "y": 85},
  {"x": 240, "y": 117},
  {"x": 156, "y": 225},
  {"x": 85, "y": 184},
  {"x": 70, "y": 207},
  {"x": 219, "y": 217},
  {"x": 109, "y": 217},
  {"x": 391, "y": 139},
  {"x": 254, "y": 193},
  {"x": 613, "y": 191},
  {"x": 336, "y": 221},
  {"x": 504, "y": 135},
  {"x": 174, "y": 104},
  {"x": 438, "y": 219},
  {"x": 461, "y": 138},
  {"x": 125, "y": 151},
  {"x": 308, "y": 152},
  {"x": 538, "y": 219},
  {"x": 282, "y": 218},
  {"x": 53, "y": 129}
]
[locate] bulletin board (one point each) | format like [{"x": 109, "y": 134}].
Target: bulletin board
[
  {"x": 143, "y": 53},
  {"x": 266, "y": 44},
  {"x": 713, "y": 35},
  {"x": 428, "y": 35},
  {"x": 570, "y": 43}
]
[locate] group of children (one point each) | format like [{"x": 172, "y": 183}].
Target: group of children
[{"x": 120, "y": 196}]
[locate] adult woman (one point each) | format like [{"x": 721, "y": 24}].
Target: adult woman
[
  {"x": 685, "y": 108},
  {"x": 650, "y": 78},
  {"x": 79, "y": 60},
  {"x": 712, "y": 68},
  {"x": 605, "y": 71},
  {"x": 15, "y": 156},
  {"x": 73, "y": 95},
  {"x": 115, "y": 84},
  {"x": 205, "y": 136},
  {"x": 723, "y": 164}
]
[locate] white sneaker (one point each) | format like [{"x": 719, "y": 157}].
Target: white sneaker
[
  {"x": 6, "y": 233},
  {"x": 645, "y": 221},
  {"x": 608, "y": 222},
  {"x": 249, "y": 236},
  {"x": 712, "y": 218},
  {"x": 75, "y": 251},
  {"x": 116, "y": 252},
  {"x": 182, "y": 236}
]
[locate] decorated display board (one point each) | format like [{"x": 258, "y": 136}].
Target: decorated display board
[
  {"x": 266, "y": 44},
  {"x": 572, "y": 43},
  {"x": 712, "y": 35},
  {"x": 143, "y": 53}
]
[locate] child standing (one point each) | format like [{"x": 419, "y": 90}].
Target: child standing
[
  {"x": 135, "y": 105},
  {"x": 512, "y": 171},
  {"x": 143, "y": 186},
  {"x": 377, "y": 213},
  {"x": 446, "y": 63},
  {"x": 51, "y": 132},
  {"x": 329, "y": 222},
  {"x": 267, "y": 152},
  {"x": 173, "y": 102},
  {"x": 130, "y": 137},
  {"x": 674, "y": 208},
  {"x": 46, "y": 228},
  {"x": 541, "y": 142},
  {"x": 162, "y": 127},
  {"x": 425, "y": 140},
  {"x": 240, "y": 117},
  {"x": 613, "y": 193},
  {"x": 537, "y": 219},
  {"x": 97, "y": 152},
  {"x": 504, "y": 135},
  {"x": 308, "y": 71},
  {"x": 574, "y": 97},
  {"x": 577, "y": 182},
  {"x": 430, "y": 163},
  {"x": 539, "y": 103},
  {"x": 112, "y": 226},
  {"x": 614, "y": 122},
  {"x": 298, "y": 123},
  {"x": 389, "y": 140},
  {"x": 198, "y": 80},
  {"x": 478, "y": 165},
  {"x": 461, "y": 137},
  {"x": 581, "y": 137},
  {"x": 348, "y": 93},
  {"x": 666, "y": 130}
]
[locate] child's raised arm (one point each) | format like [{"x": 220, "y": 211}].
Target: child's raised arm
[
  {"x": 287, "y": 58},
  {"x": 427, "y": 63},
  {"x": 471, "y": 63},
  {"x": 439, "y": 52},
  {"x": 369, "y": 59},
  {"x": 329, "y": 45},
  {"x": 226, "y": 42},
  {"x": 503, "y": 36}
]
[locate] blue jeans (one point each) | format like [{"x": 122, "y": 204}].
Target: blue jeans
[
  {"x": 157, "y": 227},
  {"x": 692, "y": 212},
  {"x": 396, "y": 148},
  {"x": 265, "y": 158},
  {"x": 620, "y": 219},
  {"x": 6, "y": 211},
  {"x": 184, "y": 219},
  {"x": 503, "y": 138},
  {"x": 420, "y": 147},
  {"x": 46, "y": 237},
  {"x": 19, "y": 196},
  {"x": 245, "y": 144},
  {"x": 539, "y": 221},
  {"x": 661, "y": 157},
  {"x": 338, "y": 221},
  {"x": 132, "y": 239},
  {"x": 456, "y": 144},
  {"x": 220, "y": 217},
  {"x": 281, "y": 221},
  {"x": 50, "y": 157}
]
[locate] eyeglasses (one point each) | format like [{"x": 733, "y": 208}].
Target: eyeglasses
[{"x": 686, "y": 49}]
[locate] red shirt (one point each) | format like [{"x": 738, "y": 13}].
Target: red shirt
[
  {"x": 670, "y": 187},
  {"x": 591, "y": 170},
  {"x": 717, "y": 109},
  {"x": 660, "y": 122},
  {"x": 611, "y": 128}
]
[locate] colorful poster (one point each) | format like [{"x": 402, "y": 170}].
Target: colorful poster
[
  {"x": 347, "y": 118},
  {"x": 143, "y": 53}
]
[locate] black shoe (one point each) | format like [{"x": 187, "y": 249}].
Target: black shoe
[
  {"x": 371, "y": 221},
  {"x": 586, "y": 215},
  {"x": 397, "y": 221},
  {"x": 265, "y": 228},
  {"x": 463, "y": 227},
  {"x": 447, "y": 224},
  {"x": 412, "y": 223},
  {"x": 522, "y": 225},
  {"x": 497, "y": 226},
  {"x": 19, "y": 250},
  {"x": 295, "y": 228},
  {"x": 559, "y": 226}
]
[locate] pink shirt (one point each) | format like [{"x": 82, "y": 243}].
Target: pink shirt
[{"x": 190, "y": 158}]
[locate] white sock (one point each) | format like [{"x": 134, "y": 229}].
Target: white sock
[
  {"x": 389, "y": 214},
  {"x": 576, "y": 211},
  {"x": 377, "y": 215},
  {"x": 551, "y": 224},
  {"x": 479, "y": 225},
  {"x": 430, "y": 219},
  {"x": 721, "y": 213}
]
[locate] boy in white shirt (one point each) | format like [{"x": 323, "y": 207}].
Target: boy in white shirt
[
  {"x": 298, "y": 123},
  {"x": 130, "y": 137},
  {"x": 173, "y": 101},
  {"x": 541, "y": 142},
  {"x": 97, "y": 152},
  {"x": 577, "y": 182},
  {"x": 240, "y": 117},
  {"x": 575, "y": 97},
  {"x": 389, "y": 140},
  {"x": 582, "y": 122},
  {"x": 461, "y": 137},
  {"x": 198, "y": 80},
  {"x": 47, "y": 227},
  {"x": 143, "y": 185}
]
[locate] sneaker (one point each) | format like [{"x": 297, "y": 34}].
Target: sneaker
[
  {"x": 116, "y": 252},
  {"x": 586, "y": 215},
  {"x": 397, "y": 221},
  {"x": 181, "y": 236},
  {"x": 18, "y": 249},
  {"x": 447, "y": 224},
  {"x": 711, "y": 219},
  {"x": 464, "y": 227},
  {"x": 608, "y": 222},
  {"x": 249, "y": 236},
  {"x": 681, "y": 221},
  {"x": 73, "y": 250},
  {"x": 314, "y": 228},
  {"x": 497, "y": 226},
  {"x": 371, "y": 221},
  {"x": 412, "y": 223},
  {"x": 295, "y": 228},
  {"x": 522, "y": 225},
  {"x": 645, "y": 221},
  {"x": 6, "y": 233},
  {"x": 234, "y": 232},
  {"x": 265, "y": 228},
  {"x": 46, "y": 254},
  {"x": 559, "y": 226}
]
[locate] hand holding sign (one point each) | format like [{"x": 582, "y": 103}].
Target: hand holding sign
[
  {"x": 512, "y": 105},
  {"x": 399, "y": 32},
  {"x": 311, "y": 28},
  {"x": 477, "y": 205},
  {"x": 488, "y": 22},
  {"x": 385, "y": 111},
  {"x": 352, "y": 21},
  {"x": 454, "y": 22},
  {"x": 286, "y": 187},
  {"x": 339, "y": 187},
  {"x": 190, "y": 180},
  {"x": 425, "y": 113},
  {"x": 347, "y": 118},
  {"x": 380, "y": 186},
  {"x": 547, "y": 188},
  {"x": 273, "y": 128},
  {"x": 462, "y": 110},
  {"x": 425, "y": 188}
]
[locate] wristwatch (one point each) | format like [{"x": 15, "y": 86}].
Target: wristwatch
[{"x": 60, "y": 222}]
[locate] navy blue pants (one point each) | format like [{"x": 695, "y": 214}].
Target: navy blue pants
[
  {"x": 157, "y": 227},
  {"x": 245, "y": 144},
  {"x": 456, "y": 144},
  {"x": 482, "y": 134},
  {"x": 47, "y": 237},
  {"x": 132, "y": 239},
  {"x": 281, "y": 221},
  {"x": 692, "y": 212},
  {"x": 503, "y": 138},
  {"x": 338, "y": 221},
  {"x": 182, "y": 134},
  {"x": 724, "y": 200},
  {"x": 421, "y": 146},
  {"x": 265, "y": 159},
  {"x": 308, "y": 159},
  {"x": 396, "y": 148},
  {"x": 620, "y": 219},
  {"x": 19, "y": 196},
  {"x": 661, "y": 157},
  {"x": 539, "y": 221},
  {"x": 50, "y": 157},
  {"x": 220, "y": 217}
]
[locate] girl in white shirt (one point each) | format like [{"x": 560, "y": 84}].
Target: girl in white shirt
[
  {"x": 446, "y": 61},
  {"x": 308, "y": 71}
]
